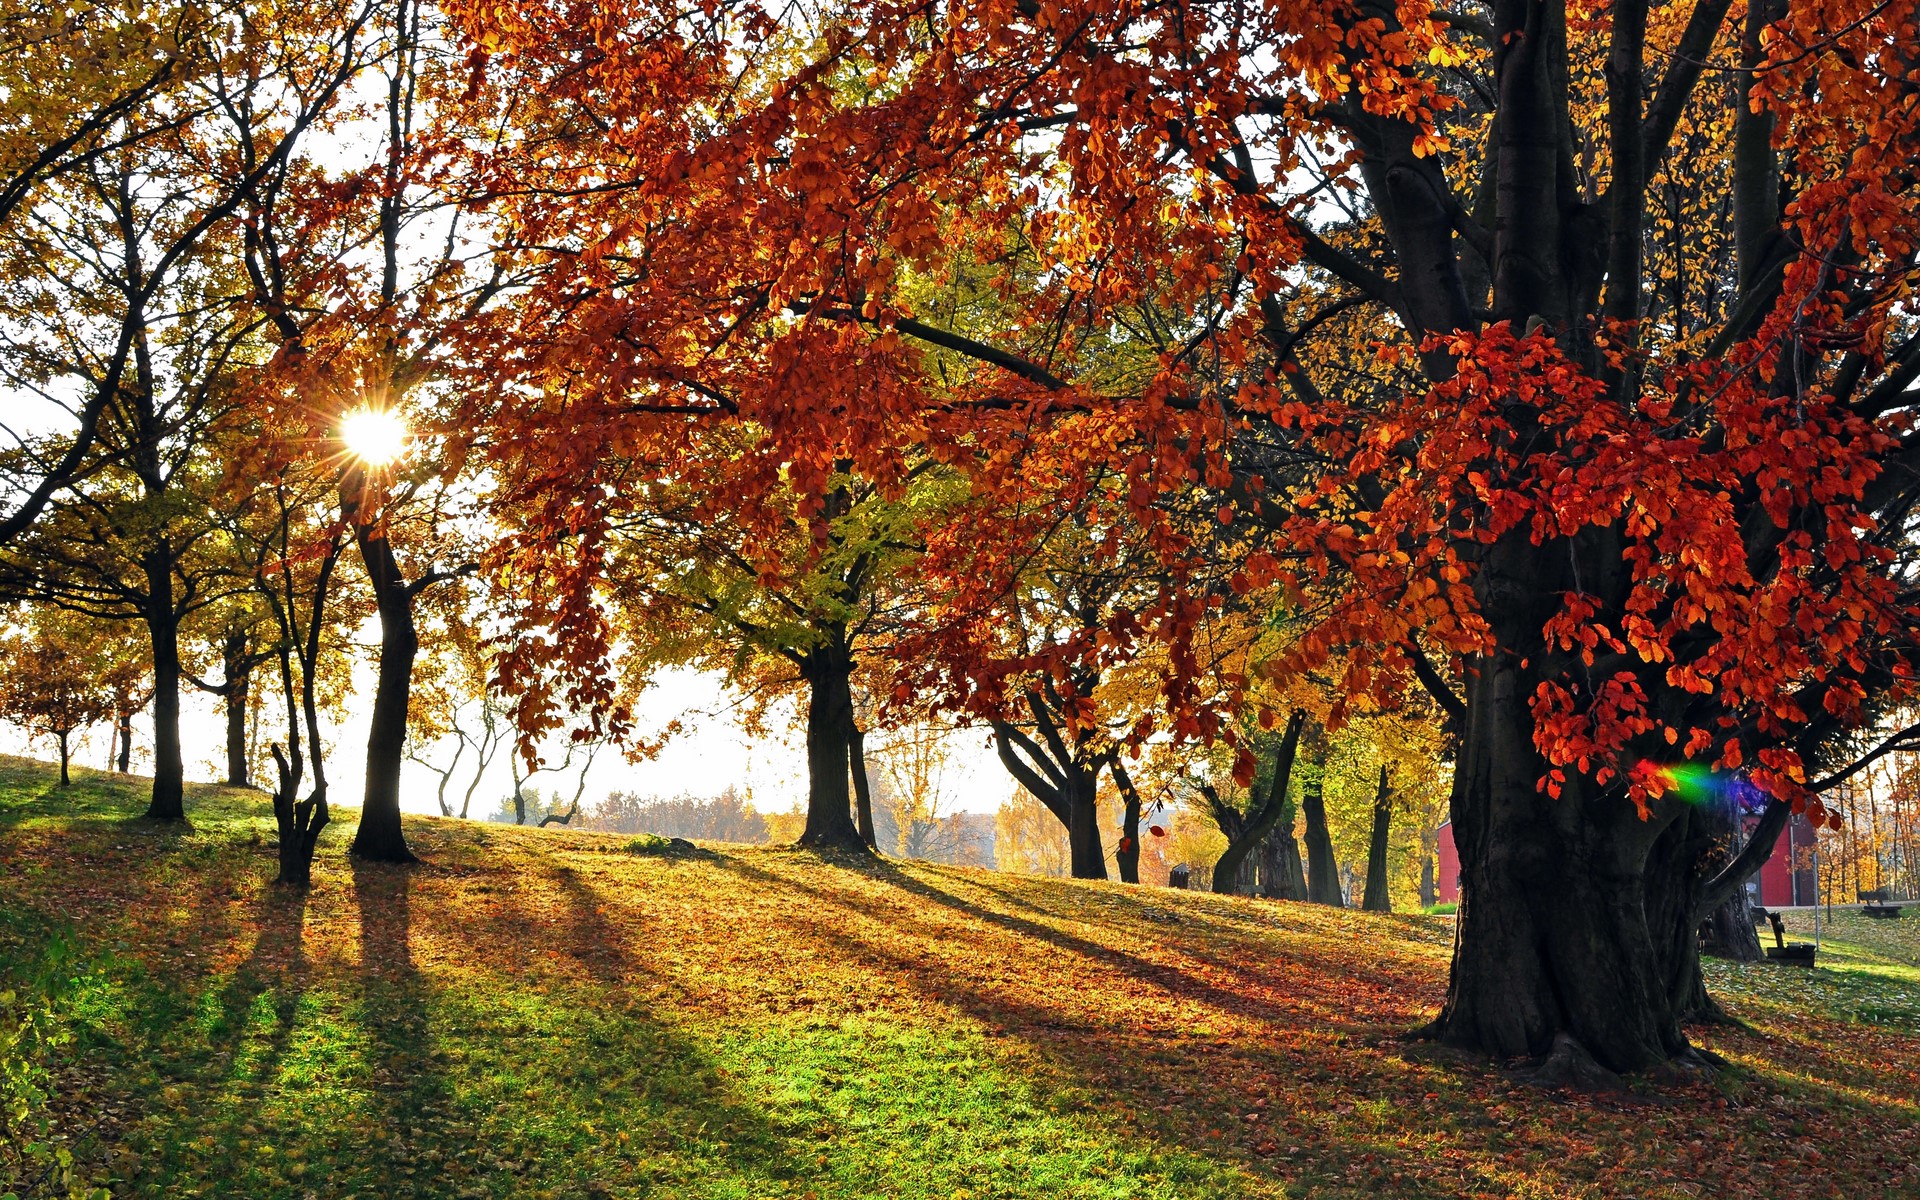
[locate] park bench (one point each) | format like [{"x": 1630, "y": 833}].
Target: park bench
[
  {"x": 1875, "y": 903},
  {"x": 1799, "y": 954}
]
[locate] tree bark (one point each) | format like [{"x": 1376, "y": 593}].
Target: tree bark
[
  {"x": 1376, "y": 898},
  {"x": 65, "y": 754},
  {"x": 163, "y": 628},
  {"x": 862, "y": 784},
  {"x": 829, "y": 715},
  {"x": 1127, "y": 855},
  {"x": 1323, "y": 873},
  {"x": 1560, "y": 930},
  {"x": 126, "y": 743},
  {"x": 1282, "y": 875},
  {"x": 238, "y": 672},
  {"x": 1246, "y": 831},
  {"x": 380, "y": 837},
  {"x": 1429, "y": 891}
]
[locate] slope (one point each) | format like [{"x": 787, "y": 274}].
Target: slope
[{"x": 554, "y": 1014}]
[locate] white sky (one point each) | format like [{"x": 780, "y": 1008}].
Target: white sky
[{"x": 714, "y": 753}]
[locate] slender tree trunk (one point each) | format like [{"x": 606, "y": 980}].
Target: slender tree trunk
[
  {"x": 1127, "y": 856},
  {"x": 65, "y": 754},
  {"x": 829, "y": 715},
  {"x": 862, "y": 785},
  {"x": 237, "y": 694},
  {"x": 163, "y": 628},
  {"x": 1376, "y": 899},
  {"x": 379, "y": 836},
  {"x": 1429, "y": 891},
  {"x": 1323, "y": 873},
  {"x": 126, "y": 743}
]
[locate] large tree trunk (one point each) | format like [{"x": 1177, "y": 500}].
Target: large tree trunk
[
  {"x": 829, "y": 716},
  {"x": 1375, "y": 898},
  {"x": 379, "y": 836},
  {"x": 1567, "y": 915},
  {"x": 1323, "y": 873},
  {"x": 163, "y": 628},
  {"x": 1088, "y": 855},
  {"x": 1282, "y": 875}
]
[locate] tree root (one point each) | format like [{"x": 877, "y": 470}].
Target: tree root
[{"x": 1570, "y": 1067}]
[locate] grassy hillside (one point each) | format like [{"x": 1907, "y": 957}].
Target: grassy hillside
[{"x": 557, "y": 1015}]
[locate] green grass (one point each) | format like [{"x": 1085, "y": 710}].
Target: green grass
[{"x": 564, "y": 1015}]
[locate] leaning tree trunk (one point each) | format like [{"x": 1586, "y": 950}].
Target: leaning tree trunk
[
  {"x": 1127, "y": 854},
  {"x": 379, "y": 836},
  {"x": 1560, "y": 936},
  {"x": 829, "y": 716},
  {"x": 1375, "y": 898},
  {"x": 862, "y": 784},
  {"x": 1323, "y": 873},
  {"x": 163, "y": 628}
]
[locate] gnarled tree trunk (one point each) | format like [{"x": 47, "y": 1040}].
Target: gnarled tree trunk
[
  {"x": 1282, "y": 875},
  {"x": 1560, "y": 900}
]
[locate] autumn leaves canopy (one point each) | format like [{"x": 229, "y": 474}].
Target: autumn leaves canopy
[{"x": 1176, "y": 369}]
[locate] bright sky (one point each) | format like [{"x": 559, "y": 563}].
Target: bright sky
[{"x": 714, "y": 753}]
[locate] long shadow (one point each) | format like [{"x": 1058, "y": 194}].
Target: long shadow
[
  {"x": 408, "y": 1094},
  {"x": 509, "y": 1077},
  {"x": 1192, "y": 1093},
  {"x": 1195, "y": 937}
]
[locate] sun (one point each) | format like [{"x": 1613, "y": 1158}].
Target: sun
[{"x": 375, "y": 436}]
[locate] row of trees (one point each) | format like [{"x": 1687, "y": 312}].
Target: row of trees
[{"x": 1165, "y": 389}]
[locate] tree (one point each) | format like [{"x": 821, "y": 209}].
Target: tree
[
  {"x": 369, "y": 331},
  {"x": 242, "y": 638},
  {"x": 1256, "y": 820},
  {"x": 127, "y": 285},
  {"x": 119, "y": 66},
  {"x": 52, "y": 683},
  {"x": 1638, "y": 480}
]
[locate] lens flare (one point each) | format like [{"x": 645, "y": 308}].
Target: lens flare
[{"x": 375, "y": 436}]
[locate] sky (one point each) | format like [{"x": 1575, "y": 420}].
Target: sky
[{"x": 715, "y": 751}]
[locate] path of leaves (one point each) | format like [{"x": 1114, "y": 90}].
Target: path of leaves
[{"x": 543, "y": 1014}]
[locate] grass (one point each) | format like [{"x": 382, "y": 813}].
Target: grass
[{"x": 552, "y": 1014}]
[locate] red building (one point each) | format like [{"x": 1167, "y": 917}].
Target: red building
[
  {"x": 1785, "y": 881},
  {"x": 1446, "y": 877}
]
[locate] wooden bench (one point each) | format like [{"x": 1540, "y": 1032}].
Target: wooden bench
[{"x": 1876, "y": 903}]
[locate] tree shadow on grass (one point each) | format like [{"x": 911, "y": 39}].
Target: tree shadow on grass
[
  {"x": 1272, "y": 1085},
  {"x": 532, "y": 1061}
]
